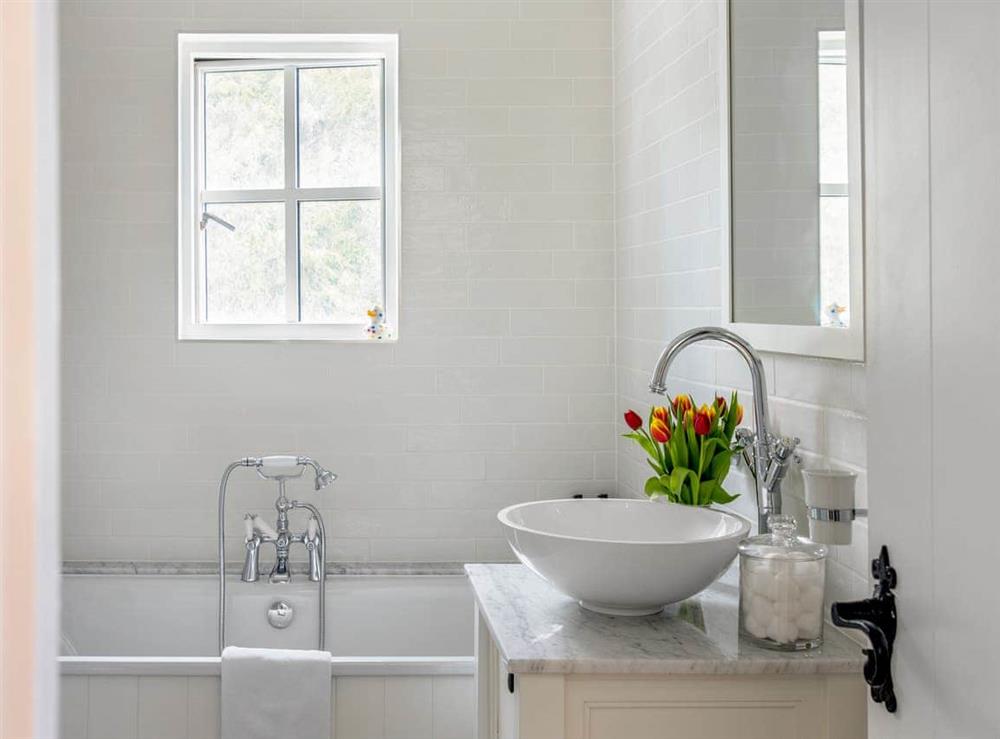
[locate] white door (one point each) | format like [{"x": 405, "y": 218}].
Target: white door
[{"x": 932, "y": 74}]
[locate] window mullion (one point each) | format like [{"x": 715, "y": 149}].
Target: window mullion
[
  {"x": 292, "y": 300},
  {"x": 340, "y": 193}
]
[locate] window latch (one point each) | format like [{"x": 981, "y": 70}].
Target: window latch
[{"x": 206, "y": 217}]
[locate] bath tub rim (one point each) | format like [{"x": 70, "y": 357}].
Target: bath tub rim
[{"x": 206, "y": 665}]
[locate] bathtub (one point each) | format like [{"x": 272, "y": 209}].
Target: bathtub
[{"x": 140, "y": 657}]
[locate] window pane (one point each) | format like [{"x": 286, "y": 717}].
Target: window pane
[
  {"x": 245, "y": 268},
  {"x": 340, "y": 124},
  {"x": 835, "y": 261},
  {"x": 244, "y": 130},
  {"x": 340, "y": 249},
  {"x": 832, "y": 107}
]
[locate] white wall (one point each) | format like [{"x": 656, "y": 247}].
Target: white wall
[
  {"x": 501, "y": 387},
  {"x": 667, "y": 183}
]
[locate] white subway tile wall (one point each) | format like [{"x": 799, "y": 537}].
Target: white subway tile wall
[
  {"x": 501, "y": 387},
  {"x": 507, "y": 382},
  {"x": 667, "y": 182},
  {"x": 178, "y": 707}
]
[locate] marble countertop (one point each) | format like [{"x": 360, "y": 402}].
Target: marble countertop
[{"x": 537, "y": 629}]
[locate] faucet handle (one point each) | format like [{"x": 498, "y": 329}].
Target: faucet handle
[
  {"x": 784, "y": 447},
  {"x": 251, "y": 562},
  {"x": 315, "y": 548},
  {"x": 744, "y": 437}
]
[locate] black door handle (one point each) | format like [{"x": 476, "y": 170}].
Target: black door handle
[{"x": 876, "y": 618}]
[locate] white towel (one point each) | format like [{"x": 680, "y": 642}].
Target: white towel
[{"x": 275, "y": 692}]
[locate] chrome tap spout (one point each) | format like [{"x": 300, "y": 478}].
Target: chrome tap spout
[{"x": 770, "y": 455}]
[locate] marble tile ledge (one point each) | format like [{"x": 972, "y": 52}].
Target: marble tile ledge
[
  {"x": 108, "y": 567},
  {"x": 538, "y": 630}
]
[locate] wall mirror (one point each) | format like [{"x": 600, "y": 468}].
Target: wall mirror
[{"x": 792, "y": 195}]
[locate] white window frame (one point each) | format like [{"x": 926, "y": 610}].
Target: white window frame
[{"x": 198, "y": 52}]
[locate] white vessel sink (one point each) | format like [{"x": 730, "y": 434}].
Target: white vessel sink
[{"x": 623, "y": 557}]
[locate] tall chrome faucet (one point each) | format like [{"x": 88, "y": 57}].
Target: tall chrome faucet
[{"x": 766, "y": 455}]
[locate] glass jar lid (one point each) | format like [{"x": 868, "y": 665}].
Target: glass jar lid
[{"x": 782, "y": 542}]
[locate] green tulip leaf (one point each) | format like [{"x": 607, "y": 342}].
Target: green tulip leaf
[
  {"x": 642, "y": 440},
  {"x": 720, "y": 495},
  {"x": 677, "y": 479},
  {"x": 679, "y": 445},
  {"x": 720, "y": 465},
  {"x": 695, "y": 488},
  {"x": 653, "y": 487},
  {"x": 707, "y": 490}
]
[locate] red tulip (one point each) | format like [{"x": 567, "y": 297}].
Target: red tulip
[
  {"x": 633, "y": 420},
  {"x": 659, "y": 431},
  {"x": 661, "y": 413},
  {"x": 702, "y": 422}
]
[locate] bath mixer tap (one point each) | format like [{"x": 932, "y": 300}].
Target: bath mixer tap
[
  {"x": 279, "y": 468},
  {"x": 282, "y": 538},
  {"x": 767, "y": 455}
]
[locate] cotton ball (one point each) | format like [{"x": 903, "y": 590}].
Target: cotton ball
[
  {"x": 765, "y": 584},
  {"x": 759, "y": 631},
  {"x": 788, "y": 608},
  {"x": 761, "y": 609},
  {"x": 785, "y": 586},
  {"x": 809, "y": 624},
  {"x": 756, "y": 576},
  {"x": 781, "y": 568},
  {"x": 754, "y": 628},
  {"x": 782, "y": 630},
  {"x": 807, "y": 574}
]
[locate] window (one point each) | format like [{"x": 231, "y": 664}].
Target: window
[
  {"x": 288, "y": 185},
  {"x": 834, "y": 226}
]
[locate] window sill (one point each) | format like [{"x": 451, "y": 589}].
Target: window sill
[{"x": 340, "y": 333}]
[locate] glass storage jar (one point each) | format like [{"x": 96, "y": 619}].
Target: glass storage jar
[{"x": 782, "y": 577}]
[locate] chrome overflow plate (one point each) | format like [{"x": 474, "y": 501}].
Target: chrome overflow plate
[{"x": 280, "y": 614}]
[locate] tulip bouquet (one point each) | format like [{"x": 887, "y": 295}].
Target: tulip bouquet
[{"x": 689, "y": 448}]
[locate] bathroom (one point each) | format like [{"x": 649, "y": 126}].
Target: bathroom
[{"x": 458, "y": 287}]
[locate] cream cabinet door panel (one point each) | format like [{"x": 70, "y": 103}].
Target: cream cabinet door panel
[{"x": 745, "y": 707}]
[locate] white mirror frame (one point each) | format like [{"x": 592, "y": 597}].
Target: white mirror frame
[{"x": 815, "y": 341}]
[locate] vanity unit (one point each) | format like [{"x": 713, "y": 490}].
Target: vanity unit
[{"x": 548, "y": 669}]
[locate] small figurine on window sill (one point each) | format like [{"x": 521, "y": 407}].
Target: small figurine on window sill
[
  {"x": 378, "y": 329},
  {"x": 833, "y": 318}
]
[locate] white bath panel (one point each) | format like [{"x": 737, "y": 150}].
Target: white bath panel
[
  {"x": 113, "y": 710},
  {"x": 73, "y": 700},
  {"x": 359, "y": 712},
  {"x": 163, "y": 708},
  {"x": 203, "y": 715},
  {"x": 452, "y": 707},
  {"x": 407, "y": 708}
]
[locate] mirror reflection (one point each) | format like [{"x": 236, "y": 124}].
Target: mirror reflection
[{"x": 790, "y": 163}]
